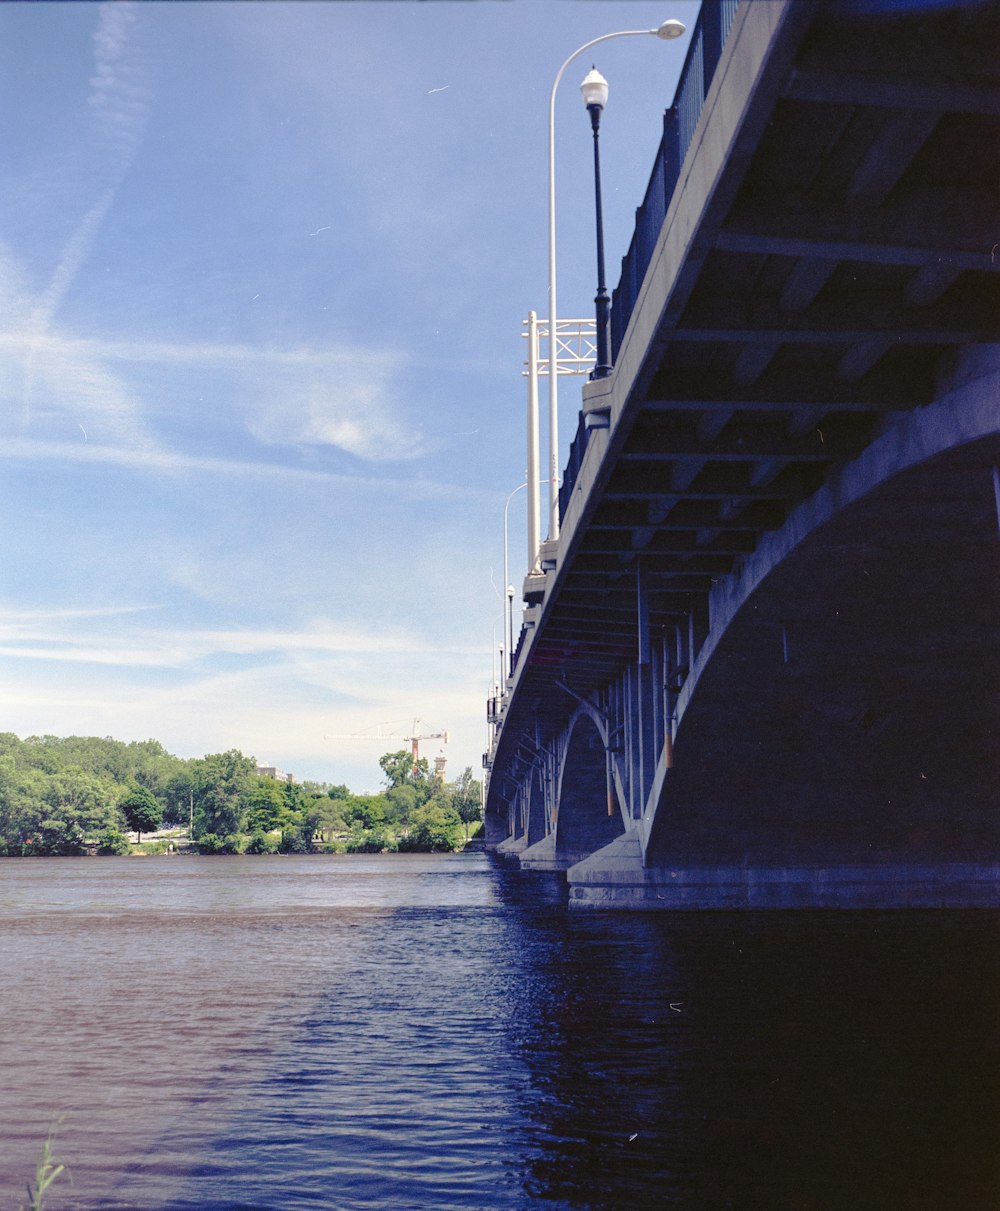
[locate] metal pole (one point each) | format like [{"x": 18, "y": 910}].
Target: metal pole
[
  {"x": 508, "y": 622},
  {"x": 510, "y": 629},
  {"x": 532, "y": 476},
  {"x": 601, "y": 302}
]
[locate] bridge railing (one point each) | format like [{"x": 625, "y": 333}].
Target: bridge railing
[
  {"x": 679, "y": 122},
  {"x": 577, "y": 449}
]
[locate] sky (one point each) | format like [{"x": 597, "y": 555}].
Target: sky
[{"x": 263, "y": 274}]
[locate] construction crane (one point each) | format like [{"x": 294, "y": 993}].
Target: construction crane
[
  {"x": 417, "y": 737},
  {"x": 413, "y": 741}
]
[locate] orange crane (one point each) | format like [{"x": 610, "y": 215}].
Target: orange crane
[
  {"x": 413, "y": 740},
  {"x": 417, "y": 737}
]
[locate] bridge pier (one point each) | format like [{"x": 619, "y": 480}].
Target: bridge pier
[
  {"x": 511, "y": 847},
  {"x": 616, "y": 878},
  {"x": 543, "y": 856}
]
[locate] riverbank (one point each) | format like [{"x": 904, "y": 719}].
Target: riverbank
[{"x": 174, "y": 842}]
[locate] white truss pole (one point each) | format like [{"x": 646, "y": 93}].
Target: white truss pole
[{"x": 532, "y": 475}]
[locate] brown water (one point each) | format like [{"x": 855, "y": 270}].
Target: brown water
[{"x": 439, "y": 1032}]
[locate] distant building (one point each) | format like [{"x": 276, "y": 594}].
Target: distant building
[{"x": 272, "y": 771}]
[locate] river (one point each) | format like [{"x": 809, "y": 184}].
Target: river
[{"x": 441, "y": 1032}]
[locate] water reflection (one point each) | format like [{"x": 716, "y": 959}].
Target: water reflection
[{"x": 444, "y": 1033}]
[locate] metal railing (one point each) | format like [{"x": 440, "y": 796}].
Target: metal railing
[
  {"x": 577, "y": 449},
  {"x": 679, "y": 123}
]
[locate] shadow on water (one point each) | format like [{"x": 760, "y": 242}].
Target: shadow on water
[
  {"x": 480, "y": 1046},
  {"x": 802, "y": 1061}
]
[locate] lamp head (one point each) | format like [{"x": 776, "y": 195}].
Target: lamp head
[
  {"x": 670, "y": 29},
  {"x": 594, "y": 89}
]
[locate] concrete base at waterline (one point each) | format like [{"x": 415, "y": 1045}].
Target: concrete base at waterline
[
  {"x": 542, "y": 856},
  {"x": 615, "y": 878},
  {"x": 512, "y": 847}
]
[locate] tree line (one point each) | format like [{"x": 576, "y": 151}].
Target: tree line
[{"x": 78, "y": 794}]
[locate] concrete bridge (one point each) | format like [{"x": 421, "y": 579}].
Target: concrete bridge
[{"x": 760, "y": 666}]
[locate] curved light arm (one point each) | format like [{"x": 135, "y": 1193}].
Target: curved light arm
[{"x": 553, "y": 313}]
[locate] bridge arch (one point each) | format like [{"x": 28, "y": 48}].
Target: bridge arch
[
  {"x": 589, "y": 816},
  {"x": 847, "y": 712},
  {"x": 964, "y": 418},
  {"x": 537, "y": 818}
]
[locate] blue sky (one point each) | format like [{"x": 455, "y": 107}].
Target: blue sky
[{"x": 263, "y": 271}]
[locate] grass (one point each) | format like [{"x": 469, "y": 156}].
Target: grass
[{"x": 49, "y": 1168}]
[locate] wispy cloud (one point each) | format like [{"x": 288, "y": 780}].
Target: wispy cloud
[
  {"x": 118, "y": 102},
  {"x": 62, "y": 635},
  {"x": 295, "y": 716},
  {"x": 291, "y": 398},
  {"x": 55, "y": 382},
  {"x": 84, "y": 452}
]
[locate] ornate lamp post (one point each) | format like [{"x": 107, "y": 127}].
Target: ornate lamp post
[
  {"x": 667, "y": 31},
  {"x": 594, "y": 90}
]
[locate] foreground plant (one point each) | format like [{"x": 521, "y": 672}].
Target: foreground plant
[{"x": 49, "y": 1168}]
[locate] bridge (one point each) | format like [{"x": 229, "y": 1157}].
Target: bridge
[{"x": 760, "y": 665}]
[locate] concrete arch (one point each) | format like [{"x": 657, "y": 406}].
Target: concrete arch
[
  {"x": 964, "y": 415},
  {"x": 850, "y": 710},
  {"x": 537, "y": 822},
  {"x": 587, "y": 818}
]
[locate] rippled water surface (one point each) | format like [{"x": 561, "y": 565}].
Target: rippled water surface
[{"x": 439, "y": 1032}]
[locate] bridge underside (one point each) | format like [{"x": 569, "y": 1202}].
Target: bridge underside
[{"x": 849, "y": 711}]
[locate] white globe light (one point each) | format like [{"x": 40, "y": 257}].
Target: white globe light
[{"x": 594, "y": 89}]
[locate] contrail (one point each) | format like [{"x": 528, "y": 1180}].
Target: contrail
[{"x": 119, "y": 106}]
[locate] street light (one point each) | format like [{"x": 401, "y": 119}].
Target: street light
[
  {"x": 667, "y": 31},
  {"x": 594, "y": 90},
  {"x": 508, "y": 612}
]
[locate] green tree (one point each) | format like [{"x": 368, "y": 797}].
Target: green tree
[
  {"x": 330, "y": 817},
  {"x": 434, "y": 827},
  {"x": 178, "y": 794},
  {"x": 400, "y": 770},
  {"x": 266, "y": 806},
  {"x": 143, "y": 811},
  {"x": 402, "y": 800},
  {"x": 466, "y": 798},
  {"x": 363, "y": 840},
  {"x": 261, "y": 843},
  {"x": 76, "y": 806},
  {"x": 369, "y": 811},
  {"x": 21, "y": 806},
  {"x": 223, "y": 783},
  {"x": 112, "y": 840}
]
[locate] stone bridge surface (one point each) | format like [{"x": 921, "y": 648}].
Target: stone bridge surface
[{"x": 762, "y": 666}]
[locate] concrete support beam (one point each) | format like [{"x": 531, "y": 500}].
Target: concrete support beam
[
  {"x": 928, "y": 284},
  {"x": 898, "y": 141},
  {"x": 806, "y": 280},
  {"x": 616, "y": 878}
]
